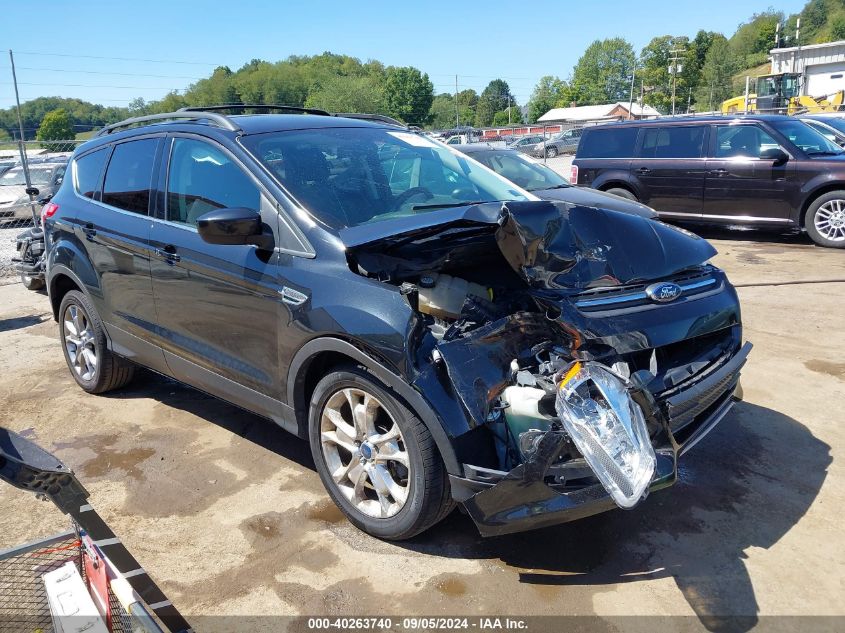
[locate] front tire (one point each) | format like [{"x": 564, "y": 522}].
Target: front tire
[
  {"x": 825, "y": 220},
  {"x": 375, "y": 457},
  {"x": 551, "y": 152},
  {"x": 94, "y": 367}
]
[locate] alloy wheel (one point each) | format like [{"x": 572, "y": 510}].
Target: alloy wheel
[
  {"x": 829, "y": 220},
  {"x": 80, "y": 342},
  {"x": 365, "y": 453}
]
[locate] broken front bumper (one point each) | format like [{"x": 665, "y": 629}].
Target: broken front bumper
[{"x": 524, "y": 499}]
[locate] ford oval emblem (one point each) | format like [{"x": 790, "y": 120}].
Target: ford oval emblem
[{"x": 663, "y": 292}]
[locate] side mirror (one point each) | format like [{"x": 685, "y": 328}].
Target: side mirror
[
  {"x": 32, "y": 191},
  {"x": 776, "y": 154},
  {"x": 238, "y": 225}
]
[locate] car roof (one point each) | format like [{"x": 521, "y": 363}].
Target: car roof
[{"x": 679, "y": 120}]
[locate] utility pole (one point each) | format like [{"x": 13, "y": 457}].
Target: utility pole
[
  {"x": 457, "y": 118},
  {"x": 509, "y": 109},
  {"x": 674, "y": 69},
  {"x": 24, "y": 163},
  {"x": 631, "y": 97}
]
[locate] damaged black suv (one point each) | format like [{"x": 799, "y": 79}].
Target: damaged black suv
[{"x": 437, "y": 334}]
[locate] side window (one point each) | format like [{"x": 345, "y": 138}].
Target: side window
[
  {"x": 672, "y": 142},
  {"x": 742, "y": 141},
  {"x": 129, "y": 174},
  {"x": 609, "y": 143},
  {"x": 87, "y": 172},
  {"x": 202, "y": 178}
]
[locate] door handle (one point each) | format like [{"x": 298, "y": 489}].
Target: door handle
[
  {"x": 643, "y": 170},
  {"x": 89, "y": 230},
  {"x": 717, "y": 172},
  {"x": 168, "y": 254}
]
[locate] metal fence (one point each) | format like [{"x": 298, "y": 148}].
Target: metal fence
[{"x": 44, "y": 169}]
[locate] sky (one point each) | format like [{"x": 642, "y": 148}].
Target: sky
[{"x": 111, "y": 51}]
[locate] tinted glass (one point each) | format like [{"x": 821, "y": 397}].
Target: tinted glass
[
  {"x": 129, "y": 175},
  {"x": 807, "y": 138},
  {"x": 350, "y": 176},
  {"x": 609, "y": 143},
  {"x": 742, "y": 141},
  {"x": 835, "y": 122},
  {"x": 202, "y": 178},
  {"x": 521, "y": 170},
  {"x": 672, "y": 142},
  {"x": 87, "y": 172}
]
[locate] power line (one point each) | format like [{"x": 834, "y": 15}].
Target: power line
[
  {"x": 29, "y": 83},
  {"x": 100, "y": 72},
  {"x": 119, "y": 59}
]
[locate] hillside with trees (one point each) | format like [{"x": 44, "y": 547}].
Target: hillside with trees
[{"x": 712, "y": 67}]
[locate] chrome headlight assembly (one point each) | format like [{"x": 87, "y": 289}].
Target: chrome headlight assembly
[{"x": 609, "y": 429}]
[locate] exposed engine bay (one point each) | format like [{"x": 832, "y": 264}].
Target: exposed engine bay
[{"x": 554, "y": 328}]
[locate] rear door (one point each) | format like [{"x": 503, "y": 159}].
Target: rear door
[
  {"x": 114, "y": 229},
  {"x": 669, "y": 169},
  {"x": 742, "y": 187},
  {"x": 218, "y": 305}
]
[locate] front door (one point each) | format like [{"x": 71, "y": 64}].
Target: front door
[
  {"x": 218, "y": 305},
  {"x": 742, "y": 187},
  {"x": 669, "y": 169}
]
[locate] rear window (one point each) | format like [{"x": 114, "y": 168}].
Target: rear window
[
  {"x": 87, "y": 172},
  {"x": 129, "y": 175},
  {"x": 673, "y": 142},
  {"x": 608, "y": 143}
]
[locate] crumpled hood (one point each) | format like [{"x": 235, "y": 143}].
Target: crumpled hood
[{"x": 557, "y": 245}]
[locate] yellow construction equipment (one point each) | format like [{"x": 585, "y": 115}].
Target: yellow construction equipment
[{"x": 780, "y": 94}]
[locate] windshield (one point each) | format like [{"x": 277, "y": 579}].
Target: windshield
[
  {"x": 37, "y": 176},
  {"x": 351, "y": 176},
  {"x": 521, "y": 170},
  {"x": 807, "y": 138},
  {"x": 834, "y": 122}
]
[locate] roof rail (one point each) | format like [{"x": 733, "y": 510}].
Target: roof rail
[
  {"x": 216, "y": 119},
  {"x": 381, "y": 118},
  {"x": 255, "y": 106}
]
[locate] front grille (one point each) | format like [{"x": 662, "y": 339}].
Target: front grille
[
  {"x": 634, "y": 295},
  {"x": 681, "y": 414}
]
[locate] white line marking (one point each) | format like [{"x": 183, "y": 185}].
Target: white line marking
[
  {"x": 159, "y": 605},
  {"x": 107, "y": 541}
]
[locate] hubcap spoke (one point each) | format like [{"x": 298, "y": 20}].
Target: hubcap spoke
[
  {"x": 829, "y": 220},
  {"x": 80, "y": 342},
  {"x": 364, "y": 451}
]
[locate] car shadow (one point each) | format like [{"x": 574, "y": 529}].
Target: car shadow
[
  {"x": 18, "y": 323},
  {"x": 747, "y": 234},
  {"x": 744, "y": 486}
]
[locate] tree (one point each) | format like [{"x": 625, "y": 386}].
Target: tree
[
  {"x": 716, "y": 75},
  {"x": 550, "y": 92},
  {"x": 467, "y": 104},
  {"x": 348, "y": 94},
  {"x": 753, "y": 39},
  {"x": 408, "y": 94},
  {"x": 603, "y": 73},
  {"x": 656, "y": 59},
  {"x": 55, "y": 126},
  {"x": 442, "y": 114},
  {"x": 495, "y": 97},
  {"x": 508, "y": 116}
]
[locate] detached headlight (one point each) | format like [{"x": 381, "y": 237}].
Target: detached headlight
[{"x": 609, "y": 429}]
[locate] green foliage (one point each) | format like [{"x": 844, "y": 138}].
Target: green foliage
[
  {"x": 442, "y": 114},
  {"x": 837, "y": 27},
  {"x": 347, "y": 94},
  {"x": 494, "y": 98},
  {"x": 500, "y": 119},
  {"x": 719, "y": 67},
  {"x": 55, "y": 126},
  {"x": 755, "y": 37},
  {"x": 550, "y": 92},
  {"x": 603, "y": 73},
  {"x": 82, "y": 113},
  {"x": 408, "y": 94}
]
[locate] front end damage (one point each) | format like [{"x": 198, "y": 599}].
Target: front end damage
[{"x": 586, "y": 349}]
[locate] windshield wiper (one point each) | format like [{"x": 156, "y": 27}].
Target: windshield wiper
[
  {"x": 825, "y": 153},
  {"x": 449, "y": 205},
  {"x": 552, "y": 187}
]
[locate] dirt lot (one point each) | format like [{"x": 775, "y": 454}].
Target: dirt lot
[{"x": 227, "y": 512}]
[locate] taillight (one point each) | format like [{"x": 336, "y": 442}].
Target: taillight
[
  {"x": 573, "y": 174},
  {"x": 48, "y": 211}
]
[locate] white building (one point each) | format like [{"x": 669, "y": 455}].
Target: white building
[
  {"x": 822, "y": 66},
  {"x": 598, "y": 113}
]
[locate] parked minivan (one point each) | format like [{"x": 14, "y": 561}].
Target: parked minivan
[{"x": 762, "y": 170}]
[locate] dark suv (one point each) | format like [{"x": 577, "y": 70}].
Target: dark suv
[
  {"x": 435, "y": 332},
  {"x": 767, "y": 171}
]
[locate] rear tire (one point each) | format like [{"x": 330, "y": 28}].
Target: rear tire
[
  {"x": 622, "y": 193},
  {"x": 825, "y": 220},
  {"x": 352, "y": 475},
  {"x": 94, "y": 367},
  {"x": 551, "y": 152}
]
